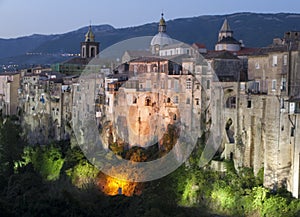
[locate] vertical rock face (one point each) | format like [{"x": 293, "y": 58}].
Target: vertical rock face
[
  {"x": 265, "y": 125},
  {"x": 45, "y": 103}
]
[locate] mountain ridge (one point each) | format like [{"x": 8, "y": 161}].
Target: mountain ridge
[{"x": 255, "y": 29}]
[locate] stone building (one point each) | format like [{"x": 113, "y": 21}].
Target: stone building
[
  {"x": 9, "y": 86},
  {"x": 174, "y": 84},
  {"x": 153, "y": 94},
  {"x": 261, "y": 120},
  {"x": 44, "y": 101}
]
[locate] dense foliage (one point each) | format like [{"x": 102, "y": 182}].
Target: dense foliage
[{"x": 57, "y": 180}]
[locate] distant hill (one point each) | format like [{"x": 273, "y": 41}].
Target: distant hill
[{"x": 256, "y": 30}]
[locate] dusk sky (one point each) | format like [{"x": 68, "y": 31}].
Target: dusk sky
[{"x": 27, "y": 17}]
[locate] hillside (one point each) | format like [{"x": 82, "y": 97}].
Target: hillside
[{"x": 256, "y": 30}]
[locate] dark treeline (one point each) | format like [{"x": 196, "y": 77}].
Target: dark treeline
[{"x": 57, "y": 180}]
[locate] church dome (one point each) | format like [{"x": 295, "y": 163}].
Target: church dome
[{"x": 161, "y": 39}]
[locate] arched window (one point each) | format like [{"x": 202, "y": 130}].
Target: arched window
[
  {"x": 147, "y": 101},
  {"x": 93, "y": 52},
  {"x": 134, "y": 100},
  {"x": 168, "y": 100},
  {"x": 83, "y": 52},
  {"x": 231, "y": 102},
  {"x": 174, "y": 117}
]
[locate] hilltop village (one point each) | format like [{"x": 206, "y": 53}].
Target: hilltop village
[{"x": 172, "y": 83}]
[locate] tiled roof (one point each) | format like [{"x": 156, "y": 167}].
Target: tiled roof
[
  {"x": 9, "y": 73},
  {"x": 219, "y": 55},
  {"x": 138, "y": 53},
  {"x": 198, "y": 45},
  {"x": 177, "y": 45}
]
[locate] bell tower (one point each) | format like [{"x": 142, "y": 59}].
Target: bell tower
[
  {"x": 225, "y": 31},
  {"x": 89, "y": 48}
]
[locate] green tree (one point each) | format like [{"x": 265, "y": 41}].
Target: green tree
[{"x": 11, "y": 146}]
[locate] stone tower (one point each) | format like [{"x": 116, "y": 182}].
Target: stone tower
[
  {"x": 226, "y": 41},
  {"x": 89, "y": 48},
  {"x": 225, "y": 31}
]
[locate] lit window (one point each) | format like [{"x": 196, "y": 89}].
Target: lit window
[
  {"x": 274, "y": 61},
  {"x": 257, "y": 66},
  {"x": 242, "y": 86}
]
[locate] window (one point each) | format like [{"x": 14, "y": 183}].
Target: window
[
  {"x": 274, "y": 61},
  {"x": 148, "y": 84},
  {"x": 188, "y": 101},
  {"x": 257, "y": 66},
  {"x": 249, "y": 104},
  {"x": 162, "y": 84},
  {"x": 147, "y": 101},
  {"x": 176, "y": 85},
  {"x": 285, "y": 59},
  {"x": 231, "y": 102},
  {"x": 297, "y": 107},
  {"x": 134, "y": 100},
  {"x": 274, "y": 83},
  {"x": 169, "y": 84},
  {"x": 93, "y": 52},
  {"x": 168, "y": 100},
  {"x": 188, "y": 84},
  {"x": 292, "y": 131},
  {"x": 283, "y": 84},
  {"x": 197, "y": 101},
  {"x": 242, "y": 86},
  {"x": 208, "y": 84},
  {"x": 174, "y": 117},
  {"x": 176, "y": 99},
  {"x": 282, "y": 103},
  {"x": 254, "y": 87}
]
